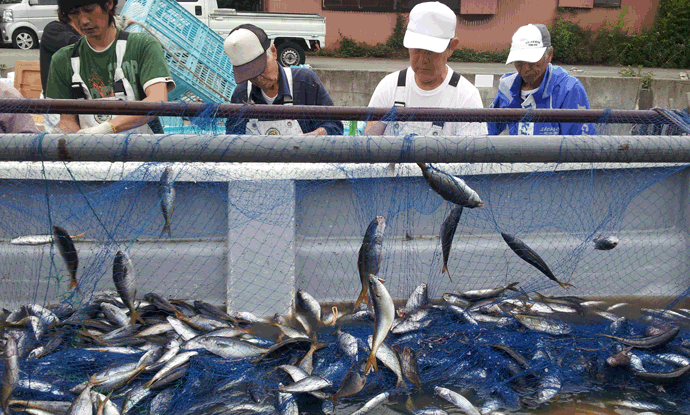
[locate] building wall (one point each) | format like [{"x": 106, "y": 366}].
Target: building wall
[{"x": 489, "y": 33}]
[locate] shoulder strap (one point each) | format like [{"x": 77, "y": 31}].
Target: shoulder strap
[
  {"x": 454, "y": 80},
  {"x": 287, "y": 100},
  {"x": 400, "y": 89}
]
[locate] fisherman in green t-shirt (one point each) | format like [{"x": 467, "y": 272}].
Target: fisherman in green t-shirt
[{"x": 107, "y": 63}]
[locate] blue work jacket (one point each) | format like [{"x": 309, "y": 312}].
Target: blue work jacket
[
  {"x": 557, "y": 90},
  {"x": 307, "y": 89}
]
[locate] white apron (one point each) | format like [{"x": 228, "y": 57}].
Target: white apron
[
  {"x": 424, "y": 128},
  {"x": 122, "y": 89},
  {"x": 274, "y": 127}
]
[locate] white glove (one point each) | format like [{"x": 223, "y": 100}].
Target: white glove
[{"x": 103, "y": 128}]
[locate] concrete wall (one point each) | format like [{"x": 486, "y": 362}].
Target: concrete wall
[
  {"x": 354, "y": 88},
  {"x": 248, "y": 235},
  {"x": 485, "y": 33}
]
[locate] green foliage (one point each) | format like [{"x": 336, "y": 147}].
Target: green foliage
[
  {"x": 665, "y": 45},
  {"x": 646, "y": 76},
  {"x": 471, "y": 55},
  {"x": 395, "y": 40}
]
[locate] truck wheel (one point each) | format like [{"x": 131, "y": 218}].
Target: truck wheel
[
  {"x": 290, "y": 53},
  {"x": 24, "y": 39}
]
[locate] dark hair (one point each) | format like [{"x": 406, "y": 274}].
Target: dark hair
[{"x": 65, "y": 6}]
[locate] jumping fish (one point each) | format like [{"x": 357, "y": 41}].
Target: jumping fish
[
  {"x": 125, "y": 282},
  {"x": 166, "y": 192},
  {"x": 448, "y": 228},
  {"x": 370, "y": 255},
  {"x": 68, "y": 253},
  {"x": 531, "y": 257},
  {"x": 449, "y": 187},
  {"x": 384, "y": 311}
]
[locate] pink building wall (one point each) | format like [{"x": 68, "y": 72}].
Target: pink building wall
[{"x": 483, "y": 33}]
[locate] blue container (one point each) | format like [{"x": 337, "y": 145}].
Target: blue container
[{"x": 194, "y": 52}]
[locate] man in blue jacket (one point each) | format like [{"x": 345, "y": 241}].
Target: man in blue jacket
[
  {"x": 538, "y": 84},
  {"x": 261, "y": 80}
]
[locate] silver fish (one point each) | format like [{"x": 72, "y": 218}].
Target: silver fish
[
  {"x": 297, "y": 374},
  {"x": 448, "y": 227},
  {"x": 102, "y": 404},
  {"x": 305, "y": 303},
  {"x": 187, "y": 333},
  {"x": 544, "y": 324},
  {"x": 115, "y": 314},
  {"x": 347, "y": 344},
  {"x": 456, "y": 399},
  {"x": 225, "y": 347},
  {"x": 407, "y": 326},
  {"x": 36, "y": 240},
  {"x": 82, "y": 405},
  {"x": 10, "y": 373},
  {"x": 372, "y": 403},
  {"x": 308, "y": 384},
  {"x": 166, "y": 192},
  {"x": 369, "y": 258},
  {"x": 390, "y": 359},
  {"x": 476, "y": 295},
  {"x": 287, "y": 405},
  {"x": 161, "y": 402},
  {"x": 134, "y": 396},
  {"x": 177, "y": 361},
  {"x": 68, "y": 253},
  {"x": 352, "y": 383},
  {"x": 47, "y": 406},
  {"x": 606, "y": 243},
  {"x": 449, "y": 187},
  {"x": 125, "y": 282},
  {"x": 384, "y": 310},
  {"x": 418, "y": 299},
  {"x": 410, "y": 368},
  {"x": 456, "y": 300},
  {"x": 429, "y": 411}
]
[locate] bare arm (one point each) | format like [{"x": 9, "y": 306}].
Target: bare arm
[
  {"x": 318, "y": 131},
  {"x": 375, "y": 128},
  {"x": 69, "y": 123},
  {"x": 155, "y": 92}
]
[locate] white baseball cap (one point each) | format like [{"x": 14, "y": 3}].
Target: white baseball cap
[
  {"x": 246, "y": 47},
  {"x": 529, "y": 43},
  {"x": 431, "y": 27}
]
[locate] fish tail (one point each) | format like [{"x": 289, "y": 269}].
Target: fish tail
[
  {"x": 445, "y": 269},
  {"x": 565, "y": 284},
  {"x": 136, "y": 317},
  {"x": 511, "y": 287},
  {"x": 362, "y": 296},
  {"x": 401, "y": 382},
  {"x": 371, "y": 362},
  {"x": 74, "y": 284},
  {"x": 79, "y": 235}
]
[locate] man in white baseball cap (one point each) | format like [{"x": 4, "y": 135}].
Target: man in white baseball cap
[
  {"x": 429, "y": 81},
  {"x": 538, "y": 84},
  {"x": 261, "y": 80}
]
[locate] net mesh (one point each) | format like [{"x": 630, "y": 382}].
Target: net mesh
[{"x": 245, "y": 237}]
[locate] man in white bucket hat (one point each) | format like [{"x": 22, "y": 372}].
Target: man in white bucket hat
[
  {"x": 538, "y": 84},
  {"x": 429, "y": 81}
]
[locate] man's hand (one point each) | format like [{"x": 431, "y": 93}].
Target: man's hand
[{"x": 103, "y": 128}]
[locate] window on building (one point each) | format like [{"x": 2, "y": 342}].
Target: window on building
[
  {"x": 403, "y": 6},
  {"x": 608, "y": 3}
]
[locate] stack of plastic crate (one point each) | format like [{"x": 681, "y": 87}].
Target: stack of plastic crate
[{"x": 194, "y": 52}]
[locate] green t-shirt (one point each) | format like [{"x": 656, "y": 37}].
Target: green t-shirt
[{"x": 143, "y": 61}]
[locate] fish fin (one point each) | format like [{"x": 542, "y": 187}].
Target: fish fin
[
  {"x": 79, "y": 235},
  {"x": 371, "y": 362},
  {"x": 136, "y": 317},
  {"x": 401, "y": 382},
  {"x": 565, "y": 284},
  {"x": 445, "y": 269},
  {"x": 74, "y": 284},
  {"x": 362, "y": 296}
]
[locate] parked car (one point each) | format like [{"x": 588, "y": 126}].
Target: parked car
[
  {"x": 23, "y": 21},
  {"x": 292, "y": 33}
]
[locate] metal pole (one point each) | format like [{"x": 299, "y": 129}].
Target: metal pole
[
  {"x": 195, "y": 109},
  {"x": 343, "y": 149}
]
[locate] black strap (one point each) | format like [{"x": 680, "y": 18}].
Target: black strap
[
  {"x": 402, "y": 79},
  {"x": 454, "y": 80},
  {"x": 118, "y": 87}
]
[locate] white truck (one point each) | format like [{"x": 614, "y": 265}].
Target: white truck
[{"x": 291, "y": 33}]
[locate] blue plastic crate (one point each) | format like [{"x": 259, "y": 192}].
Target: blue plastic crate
[{"x": 194, "y": 52}]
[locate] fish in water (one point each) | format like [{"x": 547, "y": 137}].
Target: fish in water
[
  {"x": 68, "y": 253},
  {"x": 384, "y": 310},
  {"x": 448, "y": 228},
  {"x": 369, "y": 258},
  {"x": 125, "y": 282},
  {"x": 166, "y": 192},
  {"x": 531, "y": 257},
  {"x": 449, "y": 187},
  {"x": 605, "y": 244}
]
